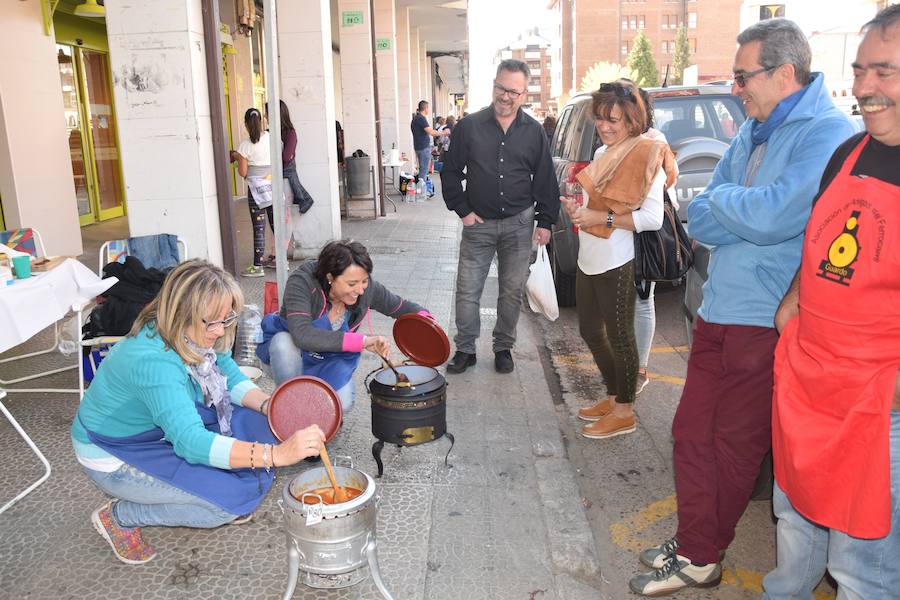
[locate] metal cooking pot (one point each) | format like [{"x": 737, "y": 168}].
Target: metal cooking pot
[
  {"x": 408, "y": 415},
  {"x": 333, "y": 545}
]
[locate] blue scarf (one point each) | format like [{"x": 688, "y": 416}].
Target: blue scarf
[{"x": 761, "y": 130}]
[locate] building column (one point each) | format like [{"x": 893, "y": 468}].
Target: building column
[
  {"x": 415, "y": 71},
  {"x": 427, "y": 91},
  {"x": 162, "y": 102},
  {"x": 307, "y": 87},
  {"x": 405, "y": 102},
  {"x": 386, "y": 60},
  {"x": 358, "y": 91},
  {"x": 36, "y": 183}
]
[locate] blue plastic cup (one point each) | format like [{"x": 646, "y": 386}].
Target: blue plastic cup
[{"x": 22, "y": 266}]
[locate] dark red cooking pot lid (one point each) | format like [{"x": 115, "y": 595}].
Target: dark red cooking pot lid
[
  {"x": 421, "y": 339},
  {"x": 301, "y": 402}
]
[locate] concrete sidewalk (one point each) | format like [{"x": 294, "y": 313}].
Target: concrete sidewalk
[{"x": 503, "y": 521}]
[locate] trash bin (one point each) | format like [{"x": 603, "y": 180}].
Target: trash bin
[{"x": 358, "y": 175}]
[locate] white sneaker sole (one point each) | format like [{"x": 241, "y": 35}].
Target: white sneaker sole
[
  {"x": 98, "y": 525},
  {"x": 594, "y": 436},
  {"x": 590, "y": 419}
]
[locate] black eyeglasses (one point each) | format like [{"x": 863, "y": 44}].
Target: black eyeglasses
[
  {"x": 227, "y": 322},
  {"x": 502, "y": 90},
  {"x": 740, "y": 79},
  {"x": 618, "y": 89}
]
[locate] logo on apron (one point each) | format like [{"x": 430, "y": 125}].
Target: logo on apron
[{"x": 842, "y": 253}]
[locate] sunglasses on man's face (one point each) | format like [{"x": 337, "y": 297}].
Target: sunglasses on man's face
[{"x": 741, "y": 77}]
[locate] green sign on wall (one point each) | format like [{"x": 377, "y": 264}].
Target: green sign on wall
[
  {"x": 349, "y": 18},
  {"x": 382, "y": 44}
]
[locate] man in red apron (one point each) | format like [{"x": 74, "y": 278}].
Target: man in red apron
[{"x": 836, "y": 411}]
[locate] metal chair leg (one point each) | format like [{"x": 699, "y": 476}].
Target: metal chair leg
[{"x": 33, "y": 447}]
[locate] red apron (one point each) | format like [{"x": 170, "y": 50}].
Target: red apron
[{"x": 836, "y": 364}]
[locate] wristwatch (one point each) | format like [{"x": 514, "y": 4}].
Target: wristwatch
[{"x": 609, "y": 219}]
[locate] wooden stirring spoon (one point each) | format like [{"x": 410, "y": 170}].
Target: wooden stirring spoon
[
  {"x": 339, "y": 494},
  {"x": 402, "y": 379}
]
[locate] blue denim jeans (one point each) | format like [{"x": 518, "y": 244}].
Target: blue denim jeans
[
  {"x": 863, "y": 569},
  {"x": 423, "y": 159},
  {"x": 286, "y": 363},
  {"x": 145, "y": 501},
  {"x": 644, "y": 325},
  {"x": 510, "y": 240}
]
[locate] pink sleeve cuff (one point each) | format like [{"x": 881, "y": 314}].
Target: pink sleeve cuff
[
  {"x": 425, "y": 313},
  {"x": 353, "y": 342}
]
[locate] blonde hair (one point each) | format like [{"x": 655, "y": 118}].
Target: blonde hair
[{"x": 190, "y": 291}]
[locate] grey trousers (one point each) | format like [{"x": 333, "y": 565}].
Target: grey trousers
[{"x": 510, "y": 240}]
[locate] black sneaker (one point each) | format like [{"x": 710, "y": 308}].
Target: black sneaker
[
  {"x": 503, "y": 361},
  {"x": 460, "y": 362}
]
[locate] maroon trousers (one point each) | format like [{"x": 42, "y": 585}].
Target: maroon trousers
[{"x": 722, "y": 431}]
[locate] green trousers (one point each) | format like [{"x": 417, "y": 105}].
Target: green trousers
[{"x": 606, "y": 323}]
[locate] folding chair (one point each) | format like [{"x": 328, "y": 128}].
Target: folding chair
[
  {"x": 111, "y": 251},
  {"x": 29, "y": 240}
]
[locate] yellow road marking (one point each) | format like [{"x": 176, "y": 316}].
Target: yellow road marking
[
  {"x": 666, "y": 378},
  {"x": 666, "y": 349},
  {"x": 623, "y": 534}
]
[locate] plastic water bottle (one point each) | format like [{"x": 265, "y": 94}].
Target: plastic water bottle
[
  {"x": 420, "y": 190},
  {"x": 249, "y": 334},
  {"x": 411, "y": 192}
]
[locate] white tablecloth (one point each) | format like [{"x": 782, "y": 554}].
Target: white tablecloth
[{"x": 30, "y": 305}]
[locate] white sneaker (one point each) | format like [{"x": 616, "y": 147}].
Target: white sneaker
[
  {"x": 642, "y": 380},
  {"x": 676, "y": 574}
]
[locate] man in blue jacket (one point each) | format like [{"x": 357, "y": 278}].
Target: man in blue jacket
[{"x": 753, "y": 214}]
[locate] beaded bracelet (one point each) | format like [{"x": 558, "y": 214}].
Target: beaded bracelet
[
  {"x": 252, "y": 446},
  {"x": 263, "y": 408}
]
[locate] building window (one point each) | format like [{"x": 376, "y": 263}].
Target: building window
[
  {"x": 632, "y": 22},
  {"x": 624, "y": 22},
  {"x": 692, "y": 20},
  {"x": 642, "y": 23},
  {"x": 534, "y": 98},
  {"x": 771, "y": 11},
  {"x": 692, "y": 44},
  {"x": 667, "y": 47}
]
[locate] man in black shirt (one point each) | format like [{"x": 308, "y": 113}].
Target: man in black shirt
[
  {"x": 836, "y": 407},
  {"x": 510, "y": 184}
]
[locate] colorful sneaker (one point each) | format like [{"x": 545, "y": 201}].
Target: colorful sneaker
[
  {"x": 656, "y": 556},
  {"x": 595, "y": 412},
  {"x": 253, "y": 271},
  {"x": 676, "y": 574},
  {"x": 642, "y": 380},
  {"x": 268, "y": 262},
  {"x": 126, "y": 542},
  {"x": 609, "y": 426}
]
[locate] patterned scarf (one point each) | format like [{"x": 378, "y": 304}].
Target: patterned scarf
[{"x": 213, "y": 384}]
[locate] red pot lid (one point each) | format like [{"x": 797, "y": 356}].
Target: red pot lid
[
  {"x": 301, "y": 402},
  {"x": 421, "y": 339}
]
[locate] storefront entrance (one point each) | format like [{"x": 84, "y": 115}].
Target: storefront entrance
[{"x": 91, "y": 128}]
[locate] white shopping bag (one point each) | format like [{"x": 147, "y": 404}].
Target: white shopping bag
[{"x": 540, "y": 289}]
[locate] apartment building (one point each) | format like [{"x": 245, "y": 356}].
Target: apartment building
[
  {"x": 591, "y": 31},
  {"x": 535, "y": 50}
]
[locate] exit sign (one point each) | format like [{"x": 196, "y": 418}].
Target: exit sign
[
  {"x": 349, "y": 18},
  {"x": 382, "y": 44}
]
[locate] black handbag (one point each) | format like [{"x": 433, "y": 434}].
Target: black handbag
[{"x": 662, "y": 255}]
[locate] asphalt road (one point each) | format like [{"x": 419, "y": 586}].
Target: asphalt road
[{"x": 626, "y": 482}]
